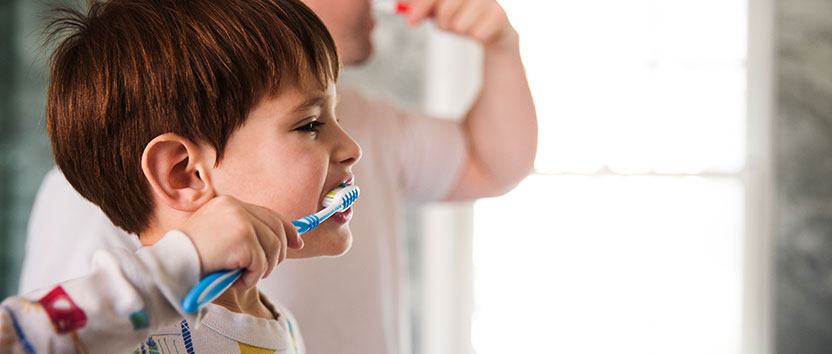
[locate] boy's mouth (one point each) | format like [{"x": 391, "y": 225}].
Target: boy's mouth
[
  {"x": 342, "y": 217},
  {"x": 346, "y": 180}
]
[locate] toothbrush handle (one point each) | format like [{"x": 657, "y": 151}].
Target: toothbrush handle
[
  {"x": 216, "y": 283},
  {"x": 312, "y": 221},
  {"x": 209, "y": 288},
  {"x": 306, "y": 223}
]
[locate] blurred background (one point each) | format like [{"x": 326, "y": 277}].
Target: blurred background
[{"x": 681, "y": 200}]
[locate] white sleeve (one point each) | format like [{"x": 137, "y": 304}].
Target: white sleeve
[
  {"x": 111, "y": 310},
  {"x": 63, "y": 233},
  {"x": 433, "y": 152}
]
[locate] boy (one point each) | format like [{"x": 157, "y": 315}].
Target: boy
[
  {"x": 189, "y": 123},
  {"x": 356, "y": 297}
]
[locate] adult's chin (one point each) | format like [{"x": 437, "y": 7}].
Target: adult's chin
[{"x": 359, "y": 54}]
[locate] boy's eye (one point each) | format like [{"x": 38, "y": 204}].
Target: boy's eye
[{"x": 311, "y": 127}]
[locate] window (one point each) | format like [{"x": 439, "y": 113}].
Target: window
[{"x": 631, "y": 235}]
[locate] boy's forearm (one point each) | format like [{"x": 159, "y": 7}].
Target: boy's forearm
[
  {"x": 111, "y": 310},
  {"x": 501, "y": 126}
]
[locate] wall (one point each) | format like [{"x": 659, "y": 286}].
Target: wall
[
  {"x": 803, "y": 139},
  {"x": 24, "y": 147}
]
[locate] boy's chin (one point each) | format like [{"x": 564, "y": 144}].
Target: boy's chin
[{"x": 325, "y": 246}]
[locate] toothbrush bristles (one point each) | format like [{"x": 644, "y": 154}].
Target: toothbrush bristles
[{"x": 344, "y": 199}]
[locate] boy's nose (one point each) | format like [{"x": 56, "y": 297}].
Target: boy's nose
[{"x": 348, "y": 152}]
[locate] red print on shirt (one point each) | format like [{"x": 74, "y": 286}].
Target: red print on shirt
[{"x": 66, "y": 316}]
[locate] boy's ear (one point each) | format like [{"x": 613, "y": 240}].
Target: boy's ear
[{"x": 176, "y": 169}]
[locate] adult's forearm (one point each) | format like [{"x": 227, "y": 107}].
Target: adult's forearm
[{"x": 502, "y": 123}]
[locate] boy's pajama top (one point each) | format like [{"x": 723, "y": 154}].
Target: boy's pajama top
[{"x": 130, "y": 303}]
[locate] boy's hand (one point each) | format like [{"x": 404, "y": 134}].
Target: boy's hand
[
  {"x": 482, "y": 20},
  {"x": 230, "y": 234}
]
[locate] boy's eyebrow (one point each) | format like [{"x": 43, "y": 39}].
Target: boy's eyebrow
[{"x": 319, "y": 100}]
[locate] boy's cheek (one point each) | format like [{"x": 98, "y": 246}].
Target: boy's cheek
[
  {"x": 304, "y": 188},
  {"x": 293, "y": 199},
  {"x": 300, "y": 205}
]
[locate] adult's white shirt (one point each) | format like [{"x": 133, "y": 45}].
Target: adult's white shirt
[{"x": 348, "y": 305}]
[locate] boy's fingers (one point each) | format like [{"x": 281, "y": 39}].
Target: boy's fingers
[
  {"x": 283, "y": 250},
  {"x": 278, "y": 224},
  {"x": 293, "y": 238},
  {"x": 266, "y": 215},
  {"x": 280, "y": 253},
  {"x": 281, "y": 233},
  {"x": 271, "y": 219},
  {"x": 270, "y": 244},
  {"x": 256, "y": 265},
  {"x": 247, "y": 280}
]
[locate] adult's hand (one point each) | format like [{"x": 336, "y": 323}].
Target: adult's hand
[{"x": 482, "y": 20}]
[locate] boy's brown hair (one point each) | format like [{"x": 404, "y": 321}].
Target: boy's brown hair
[{"x": 130, "y": 70}]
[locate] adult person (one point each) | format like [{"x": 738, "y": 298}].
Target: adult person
[{"x": 351, "y": 304}]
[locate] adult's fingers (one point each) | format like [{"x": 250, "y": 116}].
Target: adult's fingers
[
  {"x": 488, "y": 27},
  {"x": 419, "y": 10},
  {"x": 445, "y": 11},
  {"x": 467, "y": 16}
]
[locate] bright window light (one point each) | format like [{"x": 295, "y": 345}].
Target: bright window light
[
  {"x": 620, "y": 265},
  {"x": 629, "y": 237},
  {"x": 636, "y": 86}
]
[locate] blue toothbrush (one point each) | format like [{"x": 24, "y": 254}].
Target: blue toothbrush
[{"x": 213, "y": 285}]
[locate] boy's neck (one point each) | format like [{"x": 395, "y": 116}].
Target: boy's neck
[{"x": 245, "y": 301}]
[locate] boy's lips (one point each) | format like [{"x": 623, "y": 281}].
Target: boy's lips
[
  {"x": 342, "y": 217},
  {"x": 347, "y": 180}
]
